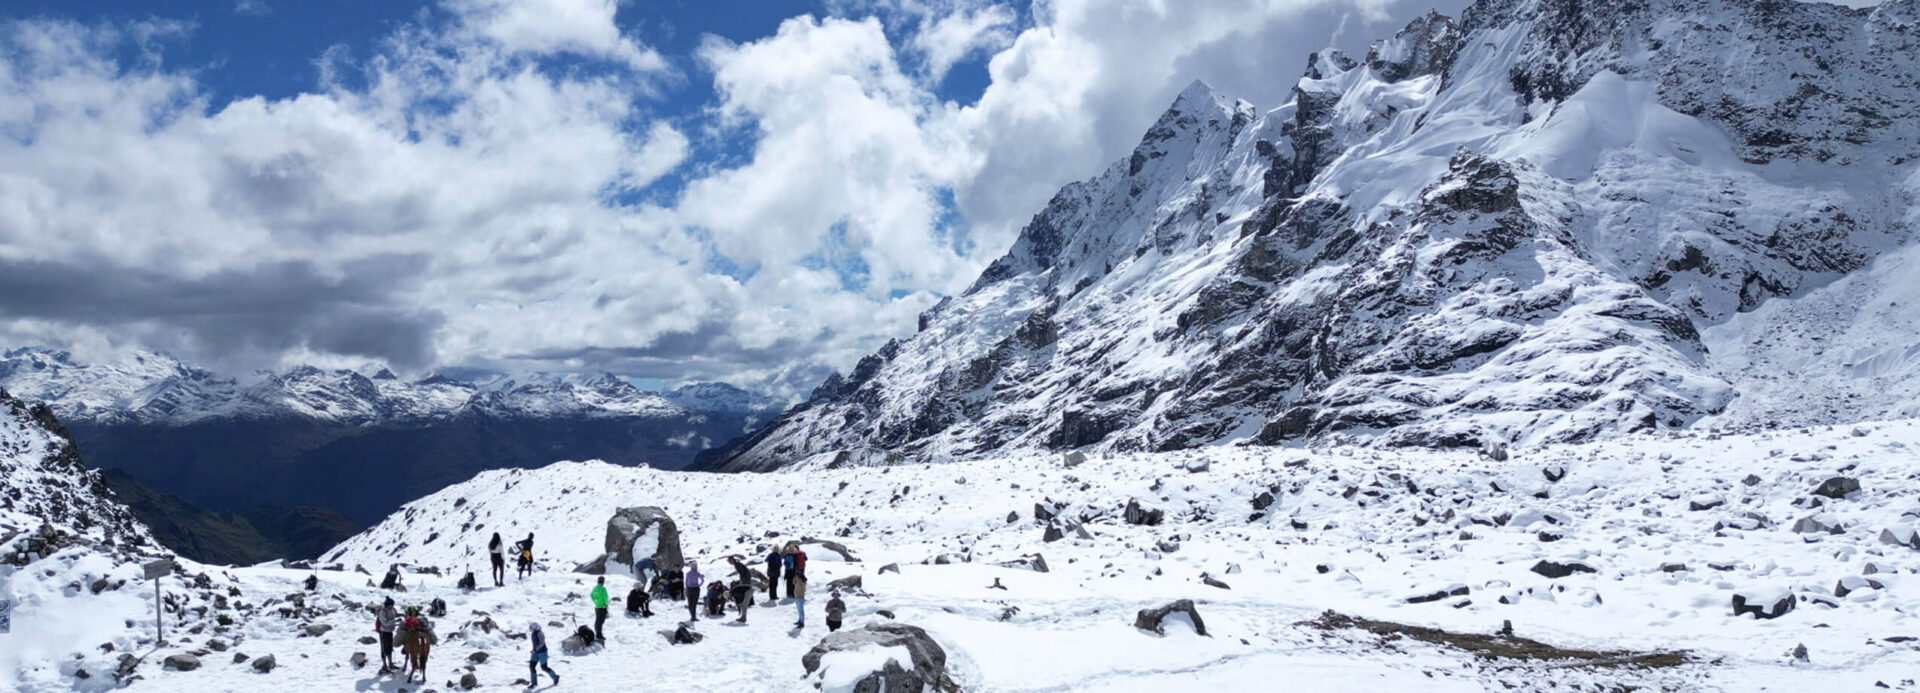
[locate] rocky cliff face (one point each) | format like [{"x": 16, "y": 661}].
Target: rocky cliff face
[
  {"x": 1508, "y": 228},
  {"x": 49, "y": 499}
]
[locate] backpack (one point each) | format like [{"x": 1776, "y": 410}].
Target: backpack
[{"x": 585, "y": 635}]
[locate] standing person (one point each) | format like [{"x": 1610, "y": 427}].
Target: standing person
[
  {"x": 798, "y": 583},
  {"x": 539, "y": 659},
  {"x": 691, "y": 585},
  {"x": 775, "y": 560},
  {"x": 497, "y": 550},
  {"x": 786, "y": 560},
  {"x": 386, "y": 619},
  {"x": 836, "y": 610},
  {"x": 599, "y": 597},
  {"x": 525, "y": 549}
]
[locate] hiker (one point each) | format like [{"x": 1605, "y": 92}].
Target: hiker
[
  {"x": 787, "y": 565},
  {"x": 691, "y": 587},
  {"x": 638, "y": 601},
  {"x": 525, "y": 549},
  {"x": 676, "y": 584},
  {"x": 836, "y": 610},
  {"x": 797, "y": 583},
  {"x": 392, "y": 580},
  {"x": 775, "y": 560},
  {"x": 313, "y": 582},
  {"x": 599, "y": 597},
  {"x": 497, "y": 551},
  {"x": 643, "y": 568},
  {"x": 716, "y": 599},
  {"x": 386, "y": 620},
  {"x": 742, "y": 598},
  {"x": 539, "y": 659},
  {"x": 741, "y": 573}
]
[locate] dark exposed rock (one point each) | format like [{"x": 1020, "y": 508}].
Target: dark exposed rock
[
  {"x": 1154, "y": 620},
  {"x": 929, "y": 660},
  {"x": 1556, "y": 570},
  {"x": 1762, "y": 605},
  {"x": 262, "y": 664},
  {"x": 1837, "y": 487},
  {"x": 180, "y": 662},
  {"x": 629, "y": 525},
  {"x": 1137, "y": 514}
]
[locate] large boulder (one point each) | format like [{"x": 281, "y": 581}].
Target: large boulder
[
  {"x": 1155, "y": 620},
  {"x": 264, "y": 664},
  {"x": 1137, "y": 514},
  {"x": 1837, "y": 487},
  {"x": 643, "y": 531},
  {"x": 824, "y": 550},
  {"x": 1763, "y": 603},
  {"x": 1900, "y": 535},
  {"x": 180, "y": 662},
  {"x": 929, "y": 660}
]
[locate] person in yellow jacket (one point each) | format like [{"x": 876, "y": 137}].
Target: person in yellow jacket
[{"x": 599, "y": 597}]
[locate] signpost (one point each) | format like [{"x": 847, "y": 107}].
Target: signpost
[{"x": 156, "y": 570}]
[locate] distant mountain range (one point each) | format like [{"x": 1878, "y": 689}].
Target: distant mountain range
[{"x": 205, "y": 445}]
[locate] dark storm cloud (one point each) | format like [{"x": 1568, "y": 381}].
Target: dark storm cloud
[{"x": 271, "y": 307}]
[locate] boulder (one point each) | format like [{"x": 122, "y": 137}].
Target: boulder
[
  {"x": 1822, "y": 523},
  {"x": 1439, "y": 594},
  {"x": 1044, "y": 512},
  {"x": 477, "y": 658},
  {"x": 180, "y": 662},
  {"x": 317, "y": 629},
  {"x": 1763, "y": 603},
  {"x": 1032, "y": 561},
  {"x": 239, "y": 657},
  {"x": 1900, "y": 535},
  {"x": 1197, "y": 466},
  {"x": 1073, "y": 459},
  {"x": 1837, "y": 487},
  {"x": 890, "y": 568},
  {"x": 851, "y": 583},
  {"x": 264, "y": 664},
  {"x": 645, "y": 531},
  {"x": 359, "y": 659},
  {"x": 469, "y": 682},
  {"x": 597, "y": 566},
  {"x": 823, "y": 550},
  {"x": 368, "y": 640},
  {"x": 1706, "y": 501},
  {"x": 1556, "y": 570},
  {"x": 1052, "y": 533},
  {"x": 1155, "y": 620},
  {"x": 1013, "y": 516},
  {"x": 1851, "y": 584},
  {"x": 929, "y": 660},
  {"x": 1137, "y": 514},
  {"x": 1211, "y": 581},
  {"x": 1263, "y": 500}
]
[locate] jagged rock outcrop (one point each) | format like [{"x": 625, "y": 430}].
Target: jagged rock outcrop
[
  {"x": 1509, "y": 228},
  {"x": 49, "y": 499}
]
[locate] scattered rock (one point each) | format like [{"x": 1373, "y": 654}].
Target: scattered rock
[
  {"x": 1763, "y": 604},
  {"x": 264, "y": 664},
  {"x": 239, "y": 657},
  {"x": 1209, "y": 581},
  {"x": 1137, "y": 514},
  {"x": 1198, "y": 466},
  {"x": 477, "y": 658},
  {"x": 1822, "y": 523},
  {"x": 1154, "y": 620},
  {"x": 1850, "y": 584},
  {"x": 217, "y": 645},
  {"x": 1706, "y": 501},
  {"x": 1554, "y": 474},
  {"x": 929, "y": 660},
  {"x": 1263, "y": 500},
  {"x": 359, "y": 659},
  {"x": 838, "y": 549},
  {"x": 1044, "y": 513},
  {"x": 1837, "y": 487},
  {"x": 1751, "y": 480},
  {"x": 1052, "y": 533},
  {"x": 597, "y": 566},
  {"x": 1073, "y": 459},
  {"x": 180, "y": 662},
  {"x": 890, "y": 568},
  {"x": 1032, "y": 561},
  {"x": 368, "y": 640},
  {"x": 1673, "y": 567},
  {"x": 1013, "y": 516},
  {"x": 1167, "y": 546},
  {"x": 885, "y": 612},
  {"x": 1556, "y": 570},
  {"x": 851, "y": 583},
  {"x": 468, "y": 681},
  {"x": 1900, "y": 535},
  {"x": 467, "y": 582},
  {"x": 315, "y": 630},
  {"x": 1439, "y": 594},
  {"x": 123, "y": 673}
]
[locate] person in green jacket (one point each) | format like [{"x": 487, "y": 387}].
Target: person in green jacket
[{"x": 599, "y": 596}]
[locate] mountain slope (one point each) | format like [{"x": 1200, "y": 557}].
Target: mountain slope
[
  {"x": 255, "y": 535},
  {"x": 1512, "y": 228},
  {"x": 47, "y": 492}
]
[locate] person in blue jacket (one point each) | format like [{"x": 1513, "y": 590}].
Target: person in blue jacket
[{"x": 539, "y": 659}]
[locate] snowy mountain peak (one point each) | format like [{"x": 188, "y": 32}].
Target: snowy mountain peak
[{"x": 1516, "y": 227}]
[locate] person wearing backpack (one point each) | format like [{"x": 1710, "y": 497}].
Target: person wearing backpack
[
  {"x": 386, "y": 620},
  {"x": 836, "y": 611},
  {"x": 497, "y": 551},
  {"x": 599, "y": 597},
  {"x": 538, "y": 660},
  {"x": 691, "y": 586},
  {"x": 525, "y": 549},
  {"x": 775, "y": 561},
  {"x": 787, "y": 564}
]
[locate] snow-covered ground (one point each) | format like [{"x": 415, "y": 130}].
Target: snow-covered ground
[{"x": 1357, "y": 531}]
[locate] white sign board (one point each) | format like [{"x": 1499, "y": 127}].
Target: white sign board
[{"x": 6, "y": 616}]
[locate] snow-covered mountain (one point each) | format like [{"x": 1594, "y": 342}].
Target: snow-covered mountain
[
  {"x": 1543, "y": 221},
  {"x": 46, "y": 492},
  {"x": 360, "y": 443}
]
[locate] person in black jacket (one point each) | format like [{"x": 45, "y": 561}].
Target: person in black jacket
[
  {"x": 497, "y": 552},
  {"x": 539, "y": 659},
  {"x": 525, "y": 550},
  {"x": 775, "y": 561}
]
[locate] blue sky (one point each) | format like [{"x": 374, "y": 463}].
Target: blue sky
[{"x": 758, "y": 191}]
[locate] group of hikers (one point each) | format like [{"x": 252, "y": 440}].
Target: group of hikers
[{"x": 785, "y": 565}]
